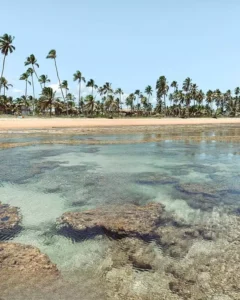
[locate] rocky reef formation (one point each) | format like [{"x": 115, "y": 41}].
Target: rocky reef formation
[
  {"x": 9, "y": 221},
  {"x": 149, "y": 222},
  {"x": 24, "y": 267},
  {"x": 206, "y": 196},
  {"x": 151, "y": 178},
  {"x": 119, "y": 220}
]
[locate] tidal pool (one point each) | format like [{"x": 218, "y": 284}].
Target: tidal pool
[{"x": 197, "y": 181}]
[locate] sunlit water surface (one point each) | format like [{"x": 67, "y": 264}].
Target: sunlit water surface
[{"x": 45, "y": 181}]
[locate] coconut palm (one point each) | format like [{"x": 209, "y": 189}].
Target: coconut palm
[
  {"x": 187, "y": 86},
  {"x": 78, "y": 77},
  {"x": 237, "y": 92},
  {"x": 5, "y": 84},
  {"x": 174, "y": 85},
  {"x": 64, "y": 85},
  {"x": 48, "y": 96},
  {"x": 53, "y": 55},
  {"x": 25, "y": 77},
  {"x": 119, "y": 92},
  {"x": 30, "y": 72},
  {"x": 43, "y": 79},
  {"x": 162, "y": 89},
  {"x": 91, "y": 83},
  {"x": 31, "y": 60},
  {"x": 149, "y": 91},
  {"x": 106, "y": 89},
  {"x": 6, "y": 47},
  {"x": 90, "y": 104},
  {"x": 137, "y": 93},
  {"x": 209, "y": 98}
]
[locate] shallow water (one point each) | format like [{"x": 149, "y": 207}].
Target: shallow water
[{"x": 45, "y": 181}]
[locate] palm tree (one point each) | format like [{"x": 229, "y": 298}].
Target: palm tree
[
  {"x": 31, "y": 60},
  {"x": 48, "y": 95},
  {"x": 53, "y": 55},
  {"x": 43, "y": 79},
  {"x": 119, "y": 92},
  {"x": 91, "y": 83},
  {"x": 209, "y": 98},
  {"x": 137, "y": 93},
  {"x": 187, "y": 86},
  {"x": 6, "y": 47},
  {"x": 106, "y": 89},
  {"x": 149, "y": 91},
  {"x": 25, "y": 77},
  {"x": 237, "y": 92},
  {"x": 30, "y": 72},
  {"x": 5, "y": 84},
  {"x": 78, "y": 77},
  {"x": 64, "y": 85},
  {"x": 174, "y": 85},
  {"x": 162, "y": 89},
  {"x": 90, "y": 103}
]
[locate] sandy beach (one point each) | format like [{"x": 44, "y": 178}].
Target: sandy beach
[{"x": 38, "y": 123}]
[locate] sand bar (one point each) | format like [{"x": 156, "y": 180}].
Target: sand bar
[{"x": 40, "y": 123}]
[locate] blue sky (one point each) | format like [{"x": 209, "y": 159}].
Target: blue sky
[{"x": 129, "y": 43}]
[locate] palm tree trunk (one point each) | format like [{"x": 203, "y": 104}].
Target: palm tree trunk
[
  {"x": 33, "y": 94},
  {"x": 4, "y": 90},
  {"x": 79, "y": 95},
  {"x": 26, "y": 89},
  {"x": 66, "y": 101},
  {"x": 59, "y": 81},
  {"x": 2, "y": 72},
  {"x": 36, "y": 75},
  {"x": 92, "y": 91}
]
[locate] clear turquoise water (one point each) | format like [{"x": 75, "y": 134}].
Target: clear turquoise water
[{"x": 45, "y": 181}]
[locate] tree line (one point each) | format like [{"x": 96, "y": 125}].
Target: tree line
[{"x": 183, "y": 101}]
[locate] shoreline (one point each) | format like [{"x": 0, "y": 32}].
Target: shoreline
[{"x": 61, "y": 123}]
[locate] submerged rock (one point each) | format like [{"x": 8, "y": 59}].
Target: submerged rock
[
  {"x": 119, "y": 220},
  {"x": 151, "y": 178},
  {"x": 22, "y": 265},
  {"x": 9, "y": 221},
  {"x": 209, "y": 275}
]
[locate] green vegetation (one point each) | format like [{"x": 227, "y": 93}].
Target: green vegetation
[{"x": 188, "y": 101}]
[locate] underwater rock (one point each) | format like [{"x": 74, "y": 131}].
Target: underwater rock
[
  {"x": 119, "y": 220},
  {"x": 195, "y": 188},
  {"x": 151, "y": 178},
  {"x": 21, "y": 264},
  {"x": 209, "y": 275},
  {"x": 9, "y": 221}
]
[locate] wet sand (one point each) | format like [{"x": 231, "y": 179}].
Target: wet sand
[{"x": 38, "y": 123}]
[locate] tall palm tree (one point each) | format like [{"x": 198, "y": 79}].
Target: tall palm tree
[
  {"x": 53, "y": 55},
  {"x": 187, "y": 86},
  {"x": 31, "y": 60},
  {"x": 174, "y": 85},
  {"x": 6, "y": 47},
  {"x": 43, "y": 79},
  {"x": 119, "y": 92},
  {"x": 90, "y": 104},
  {"x": 64, "y": 85},
  {"x": 209, "y": 98},
  {"x": 48, "y": 95},
  {"x": 149, "y": 91},
  {"x": 25, "y": 77},
  {"x": 162, "y": 89},
  {"x": 30, "y": 72},
  {"x": 78, "y": 77},
  {"x": 106, "y": 89},
  {"x": 137, "y": 93},
  {"x": 5, "y": 84},
  {"x": 237, "y": 92},
  {"x": 91, "y": 83}
]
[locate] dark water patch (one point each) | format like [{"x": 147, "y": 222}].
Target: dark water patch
[
  {"x": 6, "y": 235},
  {"x": 151, "y": 178}
]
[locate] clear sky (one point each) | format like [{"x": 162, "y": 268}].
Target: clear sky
[{"x": 129, "y": 43}]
